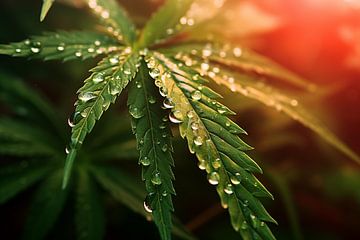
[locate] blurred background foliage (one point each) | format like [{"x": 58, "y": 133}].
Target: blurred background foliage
[{"x": 316, "y": 189}]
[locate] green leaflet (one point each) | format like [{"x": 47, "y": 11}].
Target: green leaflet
[
  {"x": 101, "y": 89},
  {"x": 250, "y": 87},
  {"x": 62, "y": 45},
  {"x": 46, "y": 207},
  {"x": 213, "y": 138},
  {"x": 18, "y": 178},
  {"x": 28, "y": 103},
  {"x": 126, "y": 190},
  {"x": 45, "y": 8},
  {"x": 15, "y": 131},
  {"x": 241, "y": 59},
  {"x": 165, "y": 22},
  {"x": 115, "y": 19},
  {"x": 150, "y": 124},
  {"x": 90, "y": 219}
]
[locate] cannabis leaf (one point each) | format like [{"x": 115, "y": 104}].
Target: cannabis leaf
[
  {"x": 154, "y": 142},
  {"x": 144, "y": 60},
  {"x": 101, "y": 89},
  {"x": 63, "y": 46},
  {"x": 213, "y": 138}
]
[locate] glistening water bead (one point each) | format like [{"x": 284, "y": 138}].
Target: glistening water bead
[
  {"x": 214, "y": 178},
  {"x": 156, "y": 178}
]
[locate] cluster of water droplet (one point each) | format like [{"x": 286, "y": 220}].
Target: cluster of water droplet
[{"x": 99, "y": 10}]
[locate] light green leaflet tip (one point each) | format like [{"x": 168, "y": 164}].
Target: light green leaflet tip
[{"x": 45, "y": 8}]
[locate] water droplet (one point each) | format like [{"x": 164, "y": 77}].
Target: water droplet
[
  {"x": 169, "y": 31},
  {"x": 147, "y": 201},
  {"x": 156, "y": 179},
  {"x": 86, "y": 96},
  {"x": 222, "y": 54},
  {"x": 196, "y": 77},
  {"x": 214, "y": 178},
  {"x": 78, "y": 54},
  {"x": 246, "y": 203},
  {"x": 205, "y": 67},
  {"x": 85, "y": 112},
  {"x": 139, "y": 85},
  {"x": 152, "y": 99},
  {"x": 164, "y": 148},
  {"x": 135, "y": 112},
  {"x": 235, "y": 179},
  {"x": 237, "y": 52},
  {"x": 262, "y": 224},
  {"x": 61, "y": 47},
  {"x": 164, "y": 193},
  {"x": 294, "y": 102},
  {"x": 105, "y": 14},
  {"x": 206, "y": 52},
  {"x": 190, "y": 114},
  {"x": 198, "y": 141},
  {"x": 115, "y": 90},
  {"x": 229, "y": 189},
  {"x": 216, "y": 163},
  {"x": 91, "y": 50},
  {"x": 168, "y": 104},
  {"x": 221, "y": 110},
  {"x": 196, "y": 95},
  {"x": 173, "y": 118},
  {"x": 163, "y": 91},
  {"x": 154, "y": 73},
  {"x": 18, "y": 50},
  {"x": 195, "y": 126},
  {"x": 151, "y": 63},
  {"x": 35, "y": 50},
  {"x": 71, "y": 122},
  {"x": 67, "y": 151},
  {"x": 202, "y": 165},
  {"x": 244, "y": 225},
  {"x": 114, "y": 60},
  {"x": 27, "y": 42},
  {"x": 145, "y": 161},
  {"x": 98, "y": 77},
  {"x": 97, "y": 43},
  {"x": 127, "y": 71},
  {"x": 183, "y": 20}
]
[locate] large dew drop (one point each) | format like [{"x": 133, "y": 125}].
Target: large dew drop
[
  {"x": 229, "y": 189},
  {"x": 235, "y": 179},
  {"x": 214, "y": 178},
  {"x": 175, "y": 117},
  {"x": 86, "y": 96},
  {"x": 145, "y": 161}
]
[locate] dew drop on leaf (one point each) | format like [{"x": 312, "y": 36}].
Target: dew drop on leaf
[
  {"x": 229, "y": 189},
  {"x": 98, "y": 77},
  {"x": 244, "y": 225},
  {"x": 78, "y": 54},
  {"x": 175, "y": 117},
  {"x": 202, "y": 165},
  {"x": 127, "y": 71},
  {"x": 147, "y": 206},
  {"x": 86, "y": 96},
  {"x": 154, "y": 73},
  {"x": 18, "y": 50},
  {"x": 198, "y": 141},
  {"x": 235, "y": 179},
  {"x": 114, "y": 60},
  {"x": 156, "y": 178},
  {"x": 196, "y": 95},
  {"x": 67, "y": 151},
  {"x": 214, "y": 178},
  {"x": 164, "y": 148},
  {"x": 216, "y": 163},
  {"x": 195, "y": 126},
  {"x": 167, "y": 103},
  {"x": 237, "y": 52},
  {"x": 135, "y": 112},
  {"x": 145, "y": 161},
  {"x": 152, "y": 99}
]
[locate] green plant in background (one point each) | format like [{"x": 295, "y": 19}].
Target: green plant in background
[
  {"x": 36, "y": 136},
  {"x": 166, "y": 76}
]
